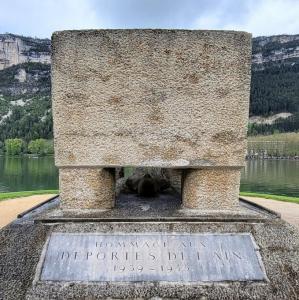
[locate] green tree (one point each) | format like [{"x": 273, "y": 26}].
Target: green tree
[
  {"x": 49, "y": 147},
  {"x": 38, "y": 146},
  {"x": 41, "y": 147},
  {"x": 14, "y": 146}
]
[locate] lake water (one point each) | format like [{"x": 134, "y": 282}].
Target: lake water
[
  {"x": 279, "y": 177},
  {"x": 264, "y": 176},
  {"x": 25, "y": 173}
]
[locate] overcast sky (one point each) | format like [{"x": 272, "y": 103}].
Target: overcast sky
[{"x": 41, "y": 17}]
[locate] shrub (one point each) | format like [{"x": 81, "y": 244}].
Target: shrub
[
  {"x": 14, "y": 146},
  {"x": 40, "y": 147}
]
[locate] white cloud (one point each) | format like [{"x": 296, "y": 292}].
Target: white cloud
[
  {"x": 41, "y": 18},
  {"x": 271, "y": 17},
  {"x": 264, "y": 17},
  {"x": 208, "y": 22}
]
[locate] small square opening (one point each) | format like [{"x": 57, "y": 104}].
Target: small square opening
[{"x": 152, "y": 188}]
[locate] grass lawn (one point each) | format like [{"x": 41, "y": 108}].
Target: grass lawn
[
  {"x": 11, "y": 195},
  {"x": 270, "y": 196},
  {"x": 286, "y": 137}
]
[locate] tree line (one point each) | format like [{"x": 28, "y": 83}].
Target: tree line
[
  {"x": 18, "y": 146},
  {"x": 290, "y": 124}
]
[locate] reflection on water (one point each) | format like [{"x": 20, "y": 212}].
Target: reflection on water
[
  {"x": 279, "y": 177},
  {"x": 263, "y": 176},
  {"x": 25, "y": 173}
]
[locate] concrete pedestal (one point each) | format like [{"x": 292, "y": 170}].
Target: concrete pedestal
[
  {"x": 211, "y": 189},
  {"x": 86, "y": 188}
]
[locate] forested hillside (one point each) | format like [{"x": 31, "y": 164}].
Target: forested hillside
[
  {"x": 275, "y": 89},
  {"x": 275, "y": 83},
  {"x": 25, "y": 106},
  {"x": 25, "y": 88}
]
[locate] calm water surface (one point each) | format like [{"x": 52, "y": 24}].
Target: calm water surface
[
  {"x": 279, "y": 177},
  {"x": 264, "y": 176},
  {"x": 25, "y": 173}
]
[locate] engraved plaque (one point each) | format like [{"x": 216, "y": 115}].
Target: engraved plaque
[{"x": 151, "y": 257}]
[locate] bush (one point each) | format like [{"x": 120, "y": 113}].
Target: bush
[
  {"x": 14, "y": 146},
  {"x": 40, "y": 147}
]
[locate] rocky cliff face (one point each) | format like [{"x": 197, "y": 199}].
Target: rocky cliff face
[
  {"x": 18, "y": 49},
  {"x": 25, "y": 103},
  {"x": 275, "y": 48}
]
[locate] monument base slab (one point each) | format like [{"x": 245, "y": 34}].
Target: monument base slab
[{"x": 25, "y": 243}]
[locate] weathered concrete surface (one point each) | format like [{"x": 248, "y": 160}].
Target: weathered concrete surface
[
  {"x": 167, "y": 98},
  {"x": 211, "y": 188},
  {"x": 20, "y": 249},
  {"x": 86, "y": 188}
]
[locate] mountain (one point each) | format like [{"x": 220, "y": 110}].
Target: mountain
[
  {"x": 275, "y": 48},
  {"x": 274, "y": 98},
  {"x": 275, "y": 75},
  {"x": 25, "y": 87},
  {"x": 16, "y": 49}
]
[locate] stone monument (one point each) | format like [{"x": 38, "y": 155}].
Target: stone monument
[
  {"x": 156, "y": 98},
  {"x": 171, "y": 99}
]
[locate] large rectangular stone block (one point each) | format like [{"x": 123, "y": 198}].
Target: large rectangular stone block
[{"x": 167, "y": 98}]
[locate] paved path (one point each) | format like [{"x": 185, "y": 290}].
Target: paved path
[
  {"x": 10, "y": 208},
  {"x": 289, "y": 211}
]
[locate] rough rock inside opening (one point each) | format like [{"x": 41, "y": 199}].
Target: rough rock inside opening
[{"x": 147, "y": 182}]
